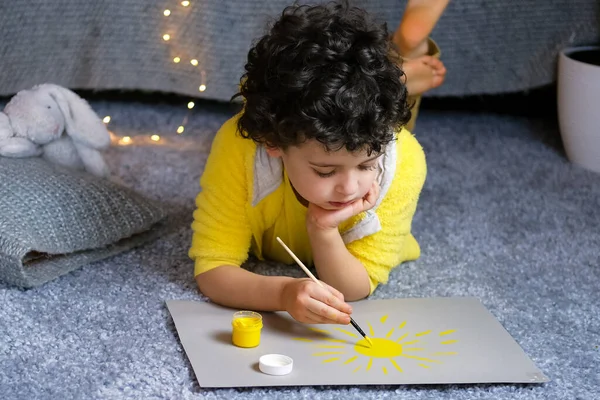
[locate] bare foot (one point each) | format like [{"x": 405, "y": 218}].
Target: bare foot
[
  {"x": 423, "y": 73},
  {"x": 418, "y": 20}
]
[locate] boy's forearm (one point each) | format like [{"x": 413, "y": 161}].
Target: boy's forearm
[
  {"x": 336, "y": 266},
  {"x": 236, "y": 287}
]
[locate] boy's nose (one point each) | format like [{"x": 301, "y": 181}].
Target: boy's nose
[{"x": 347, "y": 186}]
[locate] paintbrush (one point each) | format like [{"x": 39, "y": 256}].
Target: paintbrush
[{"x": 291, "y": 253}]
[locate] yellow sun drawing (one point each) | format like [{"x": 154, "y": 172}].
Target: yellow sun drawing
[{"x": 396, "y": 349}]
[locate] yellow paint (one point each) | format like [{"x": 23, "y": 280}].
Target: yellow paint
[
  {"x": 401, "y": 337},
  {"x": 382, "y": 348},
  {"x": 447, "y": 332},
  {"x": 346, "y": 332},
  {"x": 246, "y": 329},
  {"x": 348, "y": 361},
  {"x": 420, "y": 358},
  {"x": 395, "y": 364},
  {"x": 336, "y": 340},
  {"x": 411, "y": 342},
  {"x": 327, "y": 353}
]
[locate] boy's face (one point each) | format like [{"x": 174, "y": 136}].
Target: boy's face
[{"x": 330, "y": 180}]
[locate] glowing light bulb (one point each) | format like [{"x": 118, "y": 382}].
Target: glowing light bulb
[
  {"x": 185, "y": 3},
  {"x": 176, "y": 60},
  {"x": 166, "y": 37},
  {"x": 194, "y": 62},
  {"x": 155, "y": 138},
  {"x": 125, "y": 140},
  {"x": 202, "y": 88},
  {"x": 191, "y": 105},
  {"x": 180, "y": 130},
  {"x": 167, "y": 13},
  {"x": 106, "y": 119}
]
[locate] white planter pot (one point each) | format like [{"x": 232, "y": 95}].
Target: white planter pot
[{"x": 579, "y": 105}]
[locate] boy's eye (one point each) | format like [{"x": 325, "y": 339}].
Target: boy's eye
[{"x": 324, "y": 174}]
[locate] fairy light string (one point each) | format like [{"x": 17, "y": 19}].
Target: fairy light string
[{"x": 169, "y": 37}]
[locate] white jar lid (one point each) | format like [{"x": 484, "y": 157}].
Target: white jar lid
[{"x": 275, "y": 364}]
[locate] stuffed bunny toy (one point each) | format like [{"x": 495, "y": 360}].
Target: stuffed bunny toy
[{"x": 53, "y": 122}]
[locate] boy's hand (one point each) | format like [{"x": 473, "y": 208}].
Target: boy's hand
[
  {"x": 322, "y": 219},
  {"x": 310, "y": 303}
]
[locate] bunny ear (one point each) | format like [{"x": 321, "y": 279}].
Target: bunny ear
[{"x": 81, "y": 122}]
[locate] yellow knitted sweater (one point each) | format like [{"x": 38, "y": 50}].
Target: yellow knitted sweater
[{"x": 227, "y": 226}]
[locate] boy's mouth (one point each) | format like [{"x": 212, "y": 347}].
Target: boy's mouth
[{"x": 337, "y": 204}]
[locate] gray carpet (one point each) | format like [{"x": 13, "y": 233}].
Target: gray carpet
[{"x": 503, "y": 217}]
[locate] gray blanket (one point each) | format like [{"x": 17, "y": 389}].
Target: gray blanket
[{"x": 488, "y": 46}]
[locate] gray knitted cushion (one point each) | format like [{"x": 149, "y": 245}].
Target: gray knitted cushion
[{"x": 53, "y": 220}]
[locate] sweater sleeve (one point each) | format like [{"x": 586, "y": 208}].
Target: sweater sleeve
[
  {"x": 221, "y": 229},
  {"x": 394, "y": 243}
]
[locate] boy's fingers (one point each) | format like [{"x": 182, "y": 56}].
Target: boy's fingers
[
  {"x": 340, "y": 304},
  {"x": 334, "y": 291},
  {"x": 313, "y": 318},
  {"x": 329, "y": 307}
]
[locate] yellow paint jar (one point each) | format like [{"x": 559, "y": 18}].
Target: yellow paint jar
[{"x": 246, "y": 328}]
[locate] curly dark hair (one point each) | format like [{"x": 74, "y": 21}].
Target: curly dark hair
[{"x": 325, "y": 72}]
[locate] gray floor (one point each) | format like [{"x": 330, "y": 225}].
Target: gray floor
[{"x": 503, "y": 217}]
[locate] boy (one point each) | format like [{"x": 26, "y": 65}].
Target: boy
[{"x": 317, "y": 157}]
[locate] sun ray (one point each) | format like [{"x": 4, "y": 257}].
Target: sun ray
[
  {"x": 352, "y": 359},
  {"x": 420, "y": 358},
  {"x": 411, "y": 342},
  {"x": 423, "y": 333},
  {"x": 346, "y": 332},
  {"x": 445, "y": 353},
  {"x": 371, "y": 331},
  {"x": 370, "y": 363},
  {"x": 300, "y": 339},
  {"x": 319, "y": 330},
  {"x": 330, "y": 360},
  {"x": 356, "y": 369},
  {"x": 401, "y": 337},
  {"x": 389, "y": 333},
  {"x": 395, "y": 364},
  {"x": 449, "y": 341},
  {"x": 327, "y": 353},
  {"x": 383, "y": 319},
  {"x": 414, "y": 349},
  {"x": 449, "y": 331},
  {"x": 384, "y": 370},
  {"x": 329, "y": 346},
  {"x": 424, "y": 366},
  {"x": 402, "y": 325},
  {"x": 336, "y": 340}
]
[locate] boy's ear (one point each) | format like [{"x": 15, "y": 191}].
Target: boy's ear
[{"x": 273, "y": 151}]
